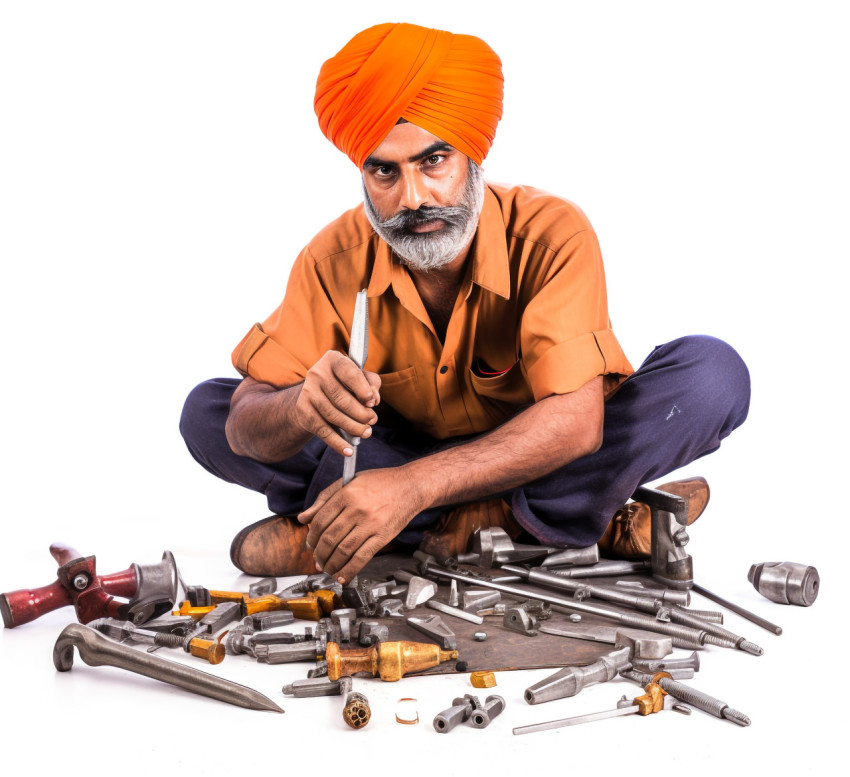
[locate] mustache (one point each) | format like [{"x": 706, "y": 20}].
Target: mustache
[{"x": 453, "y": 216}]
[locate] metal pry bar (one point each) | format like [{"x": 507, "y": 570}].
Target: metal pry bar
[
  {"x": 97, "y": 650},
  {"x": 358, "y": 350}
]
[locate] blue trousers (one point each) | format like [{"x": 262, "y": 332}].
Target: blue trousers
[{"x": 682, "y": 401}]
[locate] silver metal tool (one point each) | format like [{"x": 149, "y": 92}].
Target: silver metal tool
[
  {"x": 602, "y": 569},
  {"x": 647, "y": 600},
  {"x": 702, "y": 701},
  {"x": 454, "y": 599},
  {"x": 493, "y": 545},
  {"x": 572, "y": 557},
  {"x": 671, "y": 565},
  {"x": 683, "y": 636},
  {"x": 217, "y": 618},
  {"x": 318, "y": 686},
  {"x": 473, "y": 600},
  {"x": 785, "y": 583},
  {"x": 344, "y": 617},
  {"x": 454, "y": 611},
  {"x": 97, "y": 650},
  {"x": 572, "y": 679},
  {"x": 267, "y": 585},
  {"x": 493, "y": 706},
  {"x": 519, "y": 620},
  {"x": 667, "y": 664},
  {"x": 372, "y": 632},
  {"x": 434, "y": 627},
  {"x": 460, "y": 711},
  {"x": 261, "y": 621},
  {"x": 750, "y": 616},
  {"x": 624, "y": 707},
  {"x": 358, "y": 350},
  {"x": 309, "y": 650}
]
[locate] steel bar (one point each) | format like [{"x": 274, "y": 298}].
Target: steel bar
[{"x": 751, "y": 617}]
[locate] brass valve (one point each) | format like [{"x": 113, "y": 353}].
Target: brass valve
[{"x": 388, "y": 660}]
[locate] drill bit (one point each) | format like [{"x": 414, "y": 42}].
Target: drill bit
[{"x": 97, "y": 650}]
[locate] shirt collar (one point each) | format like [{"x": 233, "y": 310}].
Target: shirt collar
[{"x": 490, "y": 265}]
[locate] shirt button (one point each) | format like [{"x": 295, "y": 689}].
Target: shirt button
[{"x": 443, "y": 370}]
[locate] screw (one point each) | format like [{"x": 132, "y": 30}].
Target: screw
[{"x": 81, "y": 581}]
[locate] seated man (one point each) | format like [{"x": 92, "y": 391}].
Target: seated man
[{"x": 495, "y": 392}]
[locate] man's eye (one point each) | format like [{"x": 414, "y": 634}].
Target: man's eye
[
  {"x": 434, "y": 159},
  {"x": 383, "y": 171}
]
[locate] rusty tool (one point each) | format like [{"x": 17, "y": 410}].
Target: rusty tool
[
  {"x": 151, "y": 590},
  {"x": 654, "y": 700},
  {"x": 358, "y": 351},
  {"x": 97, "y": 650},
  {"x": 388, "y": 660},
  {"x": 356, "y": 712}
]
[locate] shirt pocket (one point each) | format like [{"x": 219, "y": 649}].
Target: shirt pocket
[
  {"x": 399, "y": 390},
  {"x": 506, "y": 392}
]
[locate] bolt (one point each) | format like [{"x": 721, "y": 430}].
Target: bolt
[
  {"x": 81, "y": 581},
  {"x": 479, "y": 636}
]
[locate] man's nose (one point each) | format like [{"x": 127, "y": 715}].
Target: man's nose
[{"x": 414, "y": 193}]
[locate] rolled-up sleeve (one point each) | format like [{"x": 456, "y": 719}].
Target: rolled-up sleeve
[
  {"x": 288, "y": 343},
  {"x": 566, "y": 335}
]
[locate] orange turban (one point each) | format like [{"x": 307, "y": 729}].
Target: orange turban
[{"x": 450, "y": 85}]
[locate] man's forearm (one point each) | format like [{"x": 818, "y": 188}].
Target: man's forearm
[
  {"x": 260, "y": 424},
  {"x": 544, "y": 437}
]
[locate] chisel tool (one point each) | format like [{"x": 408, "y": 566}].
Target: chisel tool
[{"x": 358, "y": 350}]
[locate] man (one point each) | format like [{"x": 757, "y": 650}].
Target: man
[{"x": 495, "y": 391}]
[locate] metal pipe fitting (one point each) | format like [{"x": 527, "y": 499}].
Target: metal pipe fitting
[
  {"x": 460, "y": 711},
  {"x": 493, "y": 706},
  {"x": 786, "y": 583}
]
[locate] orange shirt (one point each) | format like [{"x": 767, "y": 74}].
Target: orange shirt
[{"x": 530, "y": 320}]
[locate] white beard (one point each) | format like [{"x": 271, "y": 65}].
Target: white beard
[{"x": 431, "y": 250}]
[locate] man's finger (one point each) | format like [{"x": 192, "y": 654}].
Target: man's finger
[
  {"x": 353, "y": 379},
  {"x": 305, "y": 516},
  {"x": 331, "y": 437},
  {"x": 375, "y": 382},
  {"x": 359, "y": 560},
  {"x": 351, "y": 417},
  {"x": 322, "y": 519}
]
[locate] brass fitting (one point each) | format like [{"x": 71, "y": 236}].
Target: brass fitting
[
  {"x": 210, "y": 649},
  {"x": 388, "y": 660}
]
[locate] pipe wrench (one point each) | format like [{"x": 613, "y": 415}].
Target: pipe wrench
[{"x": 358, "y": 350}]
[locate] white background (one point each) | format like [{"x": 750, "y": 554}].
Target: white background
[{"x": 161, "y": 166}]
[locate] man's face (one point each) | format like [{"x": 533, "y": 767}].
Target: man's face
[{"x": 422, "y": 196}]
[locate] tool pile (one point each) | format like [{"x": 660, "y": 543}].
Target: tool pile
[{"x": 641, "y": 609}]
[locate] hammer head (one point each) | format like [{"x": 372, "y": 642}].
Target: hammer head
[{"x": 644, "y": 644}]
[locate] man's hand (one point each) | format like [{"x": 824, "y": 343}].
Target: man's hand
[
  {"x": 350, "y": 525},
  {"x": 337, "y": 394}
]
